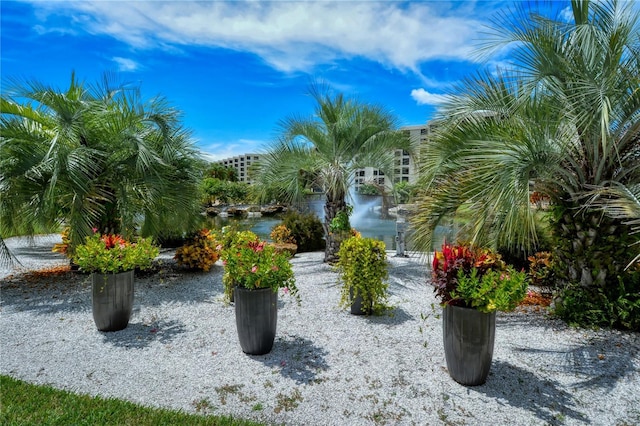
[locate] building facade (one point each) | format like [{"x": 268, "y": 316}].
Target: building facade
[
  {"x": 241, "y": 164},
  {"x": 405, "y": 167}
]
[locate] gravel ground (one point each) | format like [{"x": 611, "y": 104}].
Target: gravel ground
[{"x": 327, "y": 367}]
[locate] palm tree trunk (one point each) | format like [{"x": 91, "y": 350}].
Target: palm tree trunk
[
  {"x": 591, "y": 249},
  {"x": 331, "y": 209}
]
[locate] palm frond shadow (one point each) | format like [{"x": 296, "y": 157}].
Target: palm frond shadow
[
  {"x": 296, "y": 358},
  {"x": 139, "y": 335},
  {"x": 601, "y": 363},
  {"x": 71, "y": 291},
  {"x": 523, "y": 389}
]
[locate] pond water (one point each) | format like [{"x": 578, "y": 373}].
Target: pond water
[{"x": 366, "y": 218}]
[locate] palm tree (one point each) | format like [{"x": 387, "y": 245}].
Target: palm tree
[
  {"x": 564, "y": 122},
  {"x": 93, "y": 157},
  {"x": 620, "y": 202},
  {"x": 323, "y": 151}
]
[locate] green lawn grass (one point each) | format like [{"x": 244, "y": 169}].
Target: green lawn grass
[{"x": 22, "y": 403}]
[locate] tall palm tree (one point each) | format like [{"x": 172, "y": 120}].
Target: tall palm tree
[
  {"x": 564, "y": 122},
  {"x": 325, "y": 150},
  {"x": 93, "y": 157}
]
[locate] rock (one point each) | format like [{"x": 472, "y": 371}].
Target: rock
[
  {"x": 212, "y": 211},
  {"x": 272, "y": 210},
  {"x": 235, "y": 211},
  {"x": 285, "y": 248}
]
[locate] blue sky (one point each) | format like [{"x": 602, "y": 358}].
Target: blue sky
[{"x": 236, "y": 68}]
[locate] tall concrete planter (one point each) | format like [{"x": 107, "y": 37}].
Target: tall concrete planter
[
  {"x": 112, "y": 300},
  {"x": 256, "y": 319},
  {"x": 469, "y": 336},
  {"x": 357, "y": 307}
]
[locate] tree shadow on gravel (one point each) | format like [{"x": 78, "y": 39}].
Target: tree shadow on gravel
[
  {"x": 523, "y": 389},
  {"x": 139, "y": 336},
  {"x": 408, "y": 277},
  {"x": 42, "y": 253},
  {"x": 45, "y": 293},
  {"x": 599, "y": 364},
  {"x": 598, "y": 360},
  {"x": 296, "y": 358},
  {"x": 62, "y": 291}
]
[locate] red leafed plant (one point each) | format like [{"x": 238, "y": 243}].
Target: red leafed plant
[
  {"x": 457, "y": 259},
  {"x": 113, "y": 241}
]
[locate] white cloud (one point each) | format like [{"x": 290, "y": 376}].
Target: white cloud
[
  {"x": 422, "y": 97},
  {"x": 567, "y": 14},
  {"x": 290, "y": 36},
  {"x": 216, "y": 151},
  {"x": 125, "y": 64},
  {"x": 41, "y": 30}
]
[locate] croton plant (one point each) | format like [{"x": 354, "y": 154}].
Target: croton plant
[{"x": 464, "y": 275}]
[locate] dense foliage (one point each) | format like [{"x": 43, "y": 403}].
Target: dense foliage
[
  {"x": 215, "y": 191},
  {"x": 252, "y": 263},
  {"x": 368, "y": 189},
  {"x": 281, "y": 234},
  {"x": 559, "y": 130},
  {"x": 467, "y": 276},
  {"x": 200, "y": 251},
  {"x": 306, "y": 229},
  {"x": 363, "y": 271},
  {"x": 541, "y": 270},
  {"x": 110, "y": 253},
  {"x": 94, "y": 156},
  {"x": 220, "y": 171},
  {"x": 340, "y": 223},
  {"x": 324, "y": 150}
]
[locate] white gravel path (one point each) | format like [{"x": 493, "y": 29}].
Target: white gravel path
[{"x": 327, "y": 367}]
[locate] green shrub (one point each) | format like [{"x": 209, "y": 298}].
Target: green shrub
[
  {"x": 201, "y": 251},
  {"x": 612, "y": 306},
  {"x": 307, "y": 230},
  {"x": 281, "y": 234},
  {"x": 340, "y": 223},
  {"x": 368, "y": 189},
  {"x": 541, "y": 271},
  {"x": 110, "y": 253},
  {"x": 363, "y": 267}
]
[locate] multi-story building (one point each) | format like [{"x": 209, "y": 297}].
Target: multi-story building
[
  {"x": 405, "y": 167},
  {"x": 241, "y": 164}
]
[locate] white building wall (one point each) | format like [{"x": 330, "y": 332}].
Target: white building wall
[
  {"x": 405, "y": 167},
  {"x": 241, "y": 164}
]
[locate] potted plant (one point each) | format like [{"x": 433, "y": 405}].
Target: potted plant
[
  {"x": 111, "y": 260},
  {"x": 473, "y": 284},
  {"x": 362, "y": 263},
  {"x": 255, "y": 271}
]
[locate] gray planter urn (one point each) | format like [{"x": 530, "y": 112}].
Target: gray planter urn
[
  {"x": 469, "y": 336},
  {"x": 357, "y": 305},
  {"x": 112, "y": 300},
  {"x": 256, "y": 319}
]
